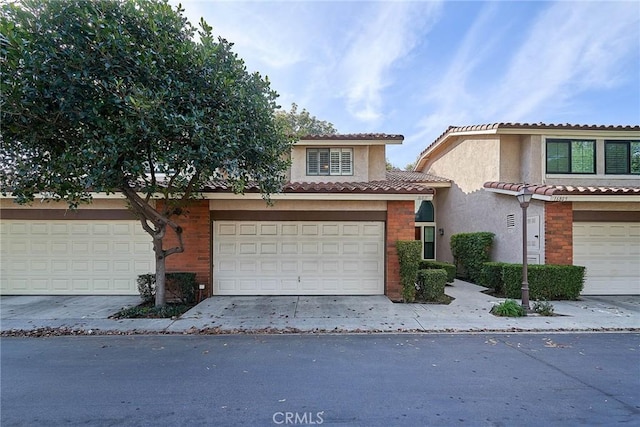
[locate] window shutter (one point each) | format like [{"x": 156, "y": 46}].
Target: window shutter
[
  {"x": 312, "y": 162},
  {"x": 324, "y": 162},
  {"x": 335, "y": 162},
  {"x": 346, "y": 162}
]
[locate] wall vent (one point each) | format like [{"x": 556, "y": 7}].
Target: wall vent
[{"x": 511, "y": 221}]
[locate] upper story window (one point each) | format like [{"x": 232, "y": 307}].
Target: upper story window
[
  {"x": 329, "y": 161},
  {"x": 571, "y": 156},
  {"x": 622, "y": 157}
]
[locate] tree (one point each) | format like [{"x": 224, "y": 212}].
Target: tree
[
  {"x": 303, "y": 123},
  {"x": 117, "y": 96}
]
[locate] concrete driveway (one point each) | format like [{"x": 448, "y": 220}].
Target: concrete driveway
[{"x": 468, "y": 312}]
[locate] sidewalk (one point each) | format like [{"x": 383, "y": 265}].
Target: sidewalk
[{"x": 469, "y": 312}]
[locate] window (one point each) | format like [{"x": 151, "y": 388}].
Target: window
[
  {"x": 622, "y": 157},
  {"x": 429, "y": 242},
  {"x": 571, "y": 156},
  {"x": 426, "y": 229},
  {"x": 329, "y": 161}
]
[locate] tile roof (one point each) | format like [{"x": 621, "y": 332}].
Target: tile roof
[
  {"x": 565, "y": 190},
  {"x": 396, "y": 183},
  {"x": 527, "y": 126},
  {"x": 353, "y": 136},
  {"x": 410, "y": 176}
]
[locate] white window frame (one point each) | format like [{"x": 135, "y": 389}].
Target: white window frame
[{"x": 329, "y": 161}]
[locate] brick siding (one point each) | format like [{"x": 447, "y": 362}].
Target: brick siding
[
  {"x": 558, "y": 220},
  {"x": 400, "y": 226},
  {"x": 196, "y": 237}
]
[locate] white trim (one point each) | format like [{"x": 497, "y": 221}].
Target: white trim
[
  {"x": 347, "y": 142},
  {"x": 279, "y": 196},
  {"x": 317, "y": 196},
  {"x": 608, "y": 198}
]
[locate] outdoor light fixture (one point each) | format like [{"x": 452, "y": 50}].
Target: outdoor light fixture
[
  {"x": 524, "y": 198},
  {"x": 441, "y": 231}
]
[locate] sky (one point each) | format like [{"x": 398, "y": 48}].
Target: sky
[{"x": 417, "y": 67}]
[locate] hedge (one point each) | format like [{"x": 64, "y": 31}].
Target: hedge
[
  {"x": 470, "y": 251},
  {"x": 491, "y": 276},
  {"x": 430, "y": 284},
  {"x": 546, "y": 282},
  {"x": 409, "y": 254},
  {"x": 450, "y": 269}
]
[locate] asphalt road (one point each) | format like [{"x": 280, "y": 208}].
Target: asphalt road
[{"x": 346, "y": 380}]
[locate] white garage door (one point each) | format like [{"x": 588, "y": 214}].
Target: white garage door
[
  {"x": 298, "y": 258},
  {"x": 611, "y": 253},
  {"x": 73, "y": 257}
]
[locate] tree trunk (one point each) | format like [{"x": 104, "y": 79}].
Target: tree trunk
[{"x": 160, "y": 272}]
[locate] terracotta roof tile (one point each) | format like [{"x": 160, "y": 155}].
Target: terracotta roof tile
[
  {"x": 565, "y": 190},
  {"x": 373, "y": 187},
  {"x": 410, "y": 176},
  {"x": 354, "y": 136}
]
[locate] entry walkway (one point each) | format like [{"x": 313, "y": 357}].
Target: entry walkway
[{"x": 469, "y": 312}]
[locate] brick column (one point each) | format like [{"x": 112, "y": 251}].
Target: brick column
[
  {"x": 196, "y": 237},
  {"x": 400, "y": 226},
  {"x": 558, "y": 233}
]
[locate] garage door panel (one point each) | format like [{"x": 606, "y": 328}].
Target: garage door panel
[
  {"x": 611, "y": 253},
  {"x": 73, "y": 257},
  {"x": 298, "y": 258}
]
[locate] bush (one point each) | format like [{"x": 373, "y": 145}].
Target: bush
[
  {"x": 430, "y": 284},
  {"x": 179, "y": 286},
  {"x": 147, "y": 287},
  {"x": 409, "y": 253},
  {"x": 491, "y": 276},
  {"x": 508, "y": 308},
  {"x": 543, "y": 308},
  {"x": 450, "y": 269},
  {"x": 470, "y": 251},
  {"x": 182, "y": 287},
  {"x": 546, "y": 282}
]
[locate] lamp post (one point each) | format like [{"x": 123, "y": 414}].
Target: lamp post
[{"x": 524, "y": 197}]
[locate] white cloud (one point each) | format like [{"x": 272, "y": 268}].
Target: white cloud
[
  {"x": 383, "y": 35},
  {"x": 571, "y": 48},
  {"x": 454, "y": 97}
]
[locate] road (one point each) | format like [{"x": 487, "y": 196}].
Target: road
[{"x": 346, "y": 380}]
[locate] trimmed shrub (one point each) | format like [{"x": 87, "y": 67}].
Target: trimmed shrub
[
  {"x": 430, "y": 284},
  {"x": 409, "y": 253},
  {"x": 435, "y": 265},
  {"x": 147, "y": 287},
  {"x": 470, "y": 251},
  {"x": 182, "y": 287},
  {"x": 179, "y": 286},
  {"x": 546, "y": 282},
  {"x": 491, "y": 276}
]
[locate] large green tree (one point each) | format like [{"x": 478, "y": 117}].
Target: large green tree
[
  {"x": 302, "y": 123},
  {"x": 120, "y": 96}
]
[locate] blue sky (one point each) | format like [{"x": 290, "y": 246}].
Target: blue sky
[{"x": 414, "y": 68}]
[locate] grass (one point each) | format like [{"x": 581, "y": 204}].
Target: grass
[{"x": 508, "y": 308}]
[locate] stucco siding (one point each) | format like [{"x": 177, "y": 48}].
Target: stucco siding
[
  {"x": 360, "y": 166},
  {"x": 469, "y": 163},
  {"x": 377, "y": 163},
  {"x": 510, "y": 158},
  {"x": 457, "y": 212}
]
